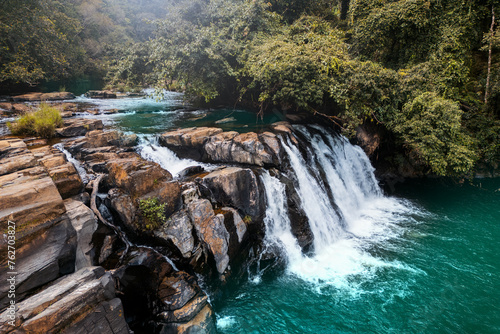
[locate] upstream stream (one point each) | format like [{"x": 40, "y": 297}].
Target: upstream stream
[{"x": 424, "y": 259}]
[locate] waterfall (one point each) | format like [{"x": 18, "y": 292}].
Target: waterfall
[
  {"x": 78, "y": 166},
  {"x": 150, "y": 149},
  {"x": 277, "y": 222},
  {"x": 343, "y": 203}
]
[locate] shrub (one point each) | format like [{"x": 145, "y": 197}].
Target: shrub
[
  {"x": 153, "y": 213},
  {"x": 41, "y": 123}
]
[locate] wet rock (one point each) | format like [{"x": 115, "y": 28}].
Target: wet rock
[
  {"x": 203, "y": 323},
  {"x": 178, "y": 229},
  {"x": 123, "y": 205},
  {"x": 35, "y": 141},
  {"x": 177, "y": 290},
  {"x": 235, "y": 187},
  {"x": 100, "y": 94},
  {"x": 79, "y": 303},
  {"x": 238, "y": 226},
  {"x": 190, "y": 171},
  {"x": 226, "y": 120},
  {"x": 85, "y": 224},
  {"x": 368, "y": 139},
  {"x": 78, "y": 127}
]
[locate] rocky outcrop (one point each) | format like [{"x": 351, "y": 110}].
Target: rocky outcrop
[
  {"x": 187, "y": 308},
  {"x": 55, "y": 96},
  {"x": 84, "y": 302},
  {"x": 100, "y": 94},
  {"x": 178, "y": 229},
  {"x": 62, "y": 172},
  {"x": 235, "y": 187},
  {"x": 85, "y": 224},
  {"x": 214, "y": 145},
  {"x": 75, "y": 127},
  {"x": 211, "y": 230},
  {"x": 14, "y": 156}
]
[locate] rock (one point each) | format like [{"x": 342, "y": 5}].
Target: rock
[
  {"x": 83, "y": 302},
  {"x": 178, "y": 229},
  {"x": 191, "y": 171},
  {"x": 100, "y": 94},
  {"x": 29, "y": 198},
  {"x": 211, "y": 230},
  {"x": 55, "y": 96},
  {"x": 368, "y": 139},
  {"x": 15, "y": 156},
  {"x": 188, "y": 143},
  {"x": 78, "y": 127},
  {"x": 203, "y": 323},
  {"x": 190, "y": 193},
  {"x": 85, "y": 224},
  {"x": 64, "y": 173},
  {"x": 35, "y": 141},
  {"x": 177, "y": 290},
  {"x": 238, "y": 225},
  {"x": 96, "y": 139},
  {"x": 122, "y": 203},
  {"x": 136, "y": 176},
  {"x": 213, "y": 145},
  {"x": 237, "y": 187},
  {"x": 226, "y": 120}
]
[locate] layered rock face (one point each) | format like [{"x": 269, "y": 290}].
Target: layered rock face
[
  {"x": 52, "y": 240},
  {"x": 214, "y": 145},
  {"x": 83, "y": 302}
]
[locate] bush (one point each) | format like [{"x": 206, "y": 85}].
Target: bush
[
  {"x": 153, "y": 213},
  {"x": 41, "y": 123}
]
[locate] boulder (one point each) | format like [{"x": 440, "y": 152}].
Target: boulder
[
  {"x": 75, "y": 127},
  {"x": 62, "y": 172},
  {"x": 188, "y": 143},
  {"x": 202, "y": 323},
  {"x": 100, "y": 94},
  {"x": 123, "y": 205},
  {"x": 84, "y": 302},
  {"x": 85, "y": 224},
  {"x": 211, "y": 230},
  {"x": 235, "y": 187},
  {"x": 136, "y": 176},
  {"x": 178, "y": 229},
  {"x": 95, "y": 139},
  {"x": 177, "y": 290},
  {"x": 368, "y": 138},
  {"x": 214, "y": 145}
]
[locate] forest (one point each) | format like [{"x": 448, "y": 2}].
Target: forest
[{"x": 424, "y": 73}]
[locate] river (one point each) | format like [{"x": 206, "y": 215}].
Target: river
[{"x": 424, "y": 259}]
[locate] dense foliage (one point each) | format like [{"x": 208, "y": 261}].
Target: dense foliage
[{"x": 425, "y": 72}]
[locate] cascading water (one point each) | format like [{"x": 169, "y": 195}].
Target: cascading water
[
  {"x": 78, "y": 166},
  {"x": 343, "y": 203},
  {"x": 150, "y": 150}
]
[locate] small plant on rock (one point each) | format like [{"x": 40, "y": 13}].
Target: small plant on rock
[
  {"x": 153, "y": 213},
  {"x": 42, "y": 122}
]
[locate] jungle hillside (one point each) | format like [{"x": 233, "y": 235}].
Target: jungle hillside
[{"x": 423, "y": 76}]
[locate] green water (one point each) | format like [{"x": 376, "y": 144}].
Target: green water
[
  {"x": 446, "y": 277},
  {"x": 434, "y": 268}
]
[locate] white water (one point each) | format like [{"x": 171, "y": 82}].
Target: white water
[
  {"x": 78, "y": 166},
  {"x": 346, "y": 211},
  {"x": 150, "y": 150}
]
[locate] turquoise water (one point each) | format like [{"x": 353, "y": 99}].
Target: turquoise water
[
  {"x": 436, "y": 272},
  {"x": 147, "y": 115},
  {"x": 431, "y": 264}
]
